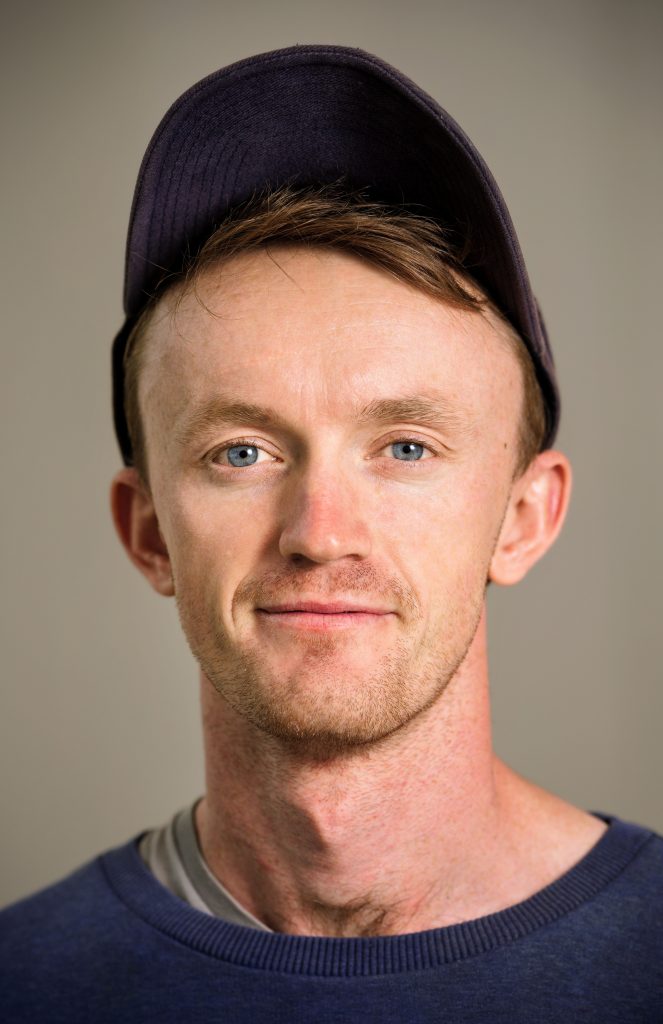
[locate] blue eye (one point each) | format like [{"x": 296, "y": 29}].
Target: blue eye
[
  {"x": 408, "y": 451},
  {"x": 242, "y": 455}
]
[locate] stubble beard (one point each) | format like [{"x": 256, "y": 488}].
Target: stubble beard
[{"x": 319, "y": 711}]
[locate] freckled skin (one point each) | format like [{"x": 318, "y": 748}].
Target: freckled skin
[
  {"x": 352, "y": 788},
  {"x": 338, "y": 514}
]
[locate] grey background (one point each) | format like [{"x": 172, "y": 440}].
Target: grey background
[{"x": 100, "y": 734}]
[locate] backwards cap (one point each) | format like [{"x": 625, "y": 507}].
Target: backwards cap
[{"x": 310, "y": 115}]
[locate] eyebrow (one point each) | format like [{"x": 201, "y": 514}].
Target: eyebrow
[{"x": 432, "y": 410}]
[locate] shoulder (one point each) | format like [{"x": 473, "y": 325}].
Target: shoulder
[
  {"x": 53, "y": 909},
  {"x": 81, "y": 897},
  {"x": 638, "y": 887},
  {"x": 619, "y": 914},
  {"x": 63, "y": 943}
]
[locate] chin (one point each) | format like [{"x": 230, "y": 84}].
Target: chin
[
  {"x": 324, "y": 695},
  {"x": 329, "y": 706}
]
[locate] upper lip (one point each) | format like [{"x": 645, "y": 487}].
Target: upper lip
[{"x": 323, "y": 607}]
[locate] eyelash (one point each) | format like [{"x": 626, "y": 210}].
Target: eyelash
[{"x": 251, "y": 443}]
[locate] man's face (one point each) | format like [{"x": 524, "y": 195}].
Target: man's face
[{"x": 306, "y": 499}]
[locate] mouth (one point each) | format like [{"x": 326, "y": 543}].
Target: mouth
[{"x": 318, "y": 616}]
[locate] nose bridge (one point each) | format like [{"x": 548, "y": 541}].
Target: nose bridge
[{"x": 323, "y": 515}]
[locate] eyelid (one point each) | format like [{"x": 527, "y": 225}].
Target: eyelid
[{"x": 248, "y": 442}]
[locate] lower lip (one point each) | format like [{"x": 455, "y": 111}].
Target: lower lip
[{"x": 321, "y": 622}]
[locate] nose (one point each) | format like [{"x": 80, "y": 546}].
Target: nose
[{"x": 323, "y": 518}]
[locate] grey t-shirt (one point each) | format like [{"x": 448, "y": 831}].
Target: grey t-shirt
[{"x": 174, "y": 857}]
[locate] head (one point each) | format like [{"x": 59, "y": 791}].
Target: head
[{"x": 325, "y": 407}]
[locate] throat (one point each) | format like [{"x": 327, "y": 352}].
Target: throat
[{"x": 359, "y": 918}]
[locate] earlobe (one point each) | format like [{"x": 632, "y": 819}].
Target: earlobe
[
  {"x": 137, "y": 526},
  {"x": 534, "y": 518}
]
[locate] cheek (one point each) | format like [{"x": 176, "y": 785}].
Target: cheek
[
  {"x": 441, "y": 539},
  {"x": 212, "y": 543}
]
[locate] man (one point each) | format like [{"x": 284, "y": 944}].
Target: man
[{"x": 336, "y": 405}]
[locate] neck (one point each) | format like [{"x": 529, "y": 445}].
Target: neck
[{"x": 414, "y": 832}]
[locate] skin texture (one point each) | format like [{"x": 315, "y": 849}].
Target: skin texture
[{"x": 351, "y": 784}]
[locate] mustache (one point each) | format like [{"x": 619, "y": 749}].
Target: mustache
[{"x": 349, "y": 582}]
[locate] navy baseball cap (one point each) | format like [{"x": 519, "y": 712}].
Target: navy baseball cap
[{"x": 310, "y": 115}]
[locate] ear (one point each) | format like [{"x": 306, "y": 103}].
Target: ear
[
  {"x": 534, "y": 517},
  {"x": 137, "y": 526}
]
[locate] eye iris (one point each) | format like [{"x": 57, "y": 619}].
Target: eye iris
[
  {"x": 246, "y": 455},
  {"x": 242, "y": 455},
  {"x": 408, "y": 451}
]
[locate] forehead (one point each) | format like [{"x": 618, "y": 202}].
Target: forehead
[{"x": 316, "y": 334}]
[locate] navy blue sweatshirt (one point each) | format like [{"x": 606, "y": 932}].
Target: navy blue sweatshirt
[{"x": 111, "y": 944}]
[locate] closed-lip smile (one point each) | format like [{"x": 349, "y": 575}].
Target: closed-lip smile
[
  {"x": 322, "y": 608},
  {"x": 319, "y": 616}
]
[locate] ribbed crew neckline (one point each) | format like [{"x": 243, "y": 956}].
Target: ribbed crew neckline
[{"x": 325, "y": 956}]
